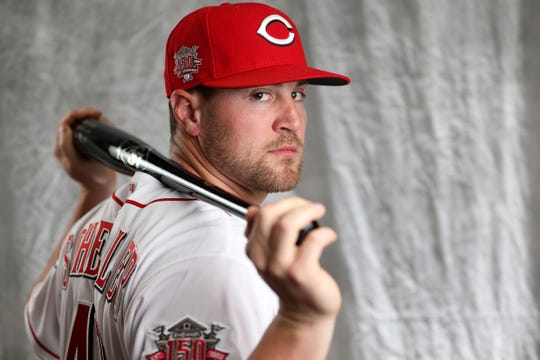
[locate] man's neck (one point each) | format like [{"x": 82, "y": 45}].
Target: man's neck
[{"x": 212, "y": 176}]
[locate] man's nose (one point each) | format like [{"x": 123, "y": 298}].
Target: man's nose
[{"x": 291, "y": 117}]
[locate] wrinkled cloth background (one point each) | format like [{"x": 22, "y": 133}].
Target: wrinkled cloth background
[{"x": 427, "y": 162}]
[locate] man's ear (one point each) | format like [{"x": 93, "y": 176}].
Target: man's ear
[{"x": 186, "y": 108}]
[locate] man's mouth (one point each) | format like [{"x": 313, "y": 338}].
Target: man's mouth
[{"x": 289, "y": 150}]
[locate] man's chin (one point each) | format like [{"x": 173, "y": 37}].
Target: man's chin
[{"x": 280, "y": 181}]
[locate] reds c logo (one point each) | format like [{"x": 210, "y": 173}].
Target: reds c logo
[{"x": 264, "y": 33}]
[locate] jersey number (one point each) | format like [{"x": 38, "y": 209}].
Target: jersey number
[{"x": 81, "y": 339}]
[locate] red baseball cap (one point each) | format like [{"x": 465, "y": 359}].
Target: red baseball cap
[{"x": 238, "y": 45}]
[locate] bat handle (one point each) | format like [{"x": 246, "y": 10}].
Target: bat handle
[{"x": 303, "y": 233}]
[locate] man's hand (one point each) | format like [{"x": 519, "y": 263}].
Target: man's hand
[
  {"x": 310, "y": 298},
  {"x": 93, "y": 177}
]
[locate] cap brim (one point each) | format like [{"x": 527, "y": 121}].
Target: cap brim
[{"x": 278, "y": 74}]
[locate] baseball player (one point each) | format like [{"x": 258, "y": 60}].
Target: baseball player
[{"x": 145, "y": 272}]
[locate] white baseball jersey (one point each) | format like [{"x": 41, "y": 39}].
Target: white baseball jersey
[{"x": 151, "y": 274}]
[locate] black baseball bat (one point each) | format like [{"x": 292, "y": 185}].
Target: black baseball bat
[{"x": 127, "y": 154}]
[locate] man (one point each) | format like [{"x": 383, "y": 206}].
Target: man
[{"x": 151, "y": 273}]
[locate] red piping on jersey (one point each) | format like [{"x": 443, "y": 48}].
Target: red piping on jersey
[
  {"x": 141, "y": 205},
  {"x": 117, "y": 199},
  {"x": 36, "y": 339}
]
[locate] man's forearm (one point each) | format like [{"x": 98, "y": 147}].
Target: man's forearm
[{"x": 284, "y": 339}]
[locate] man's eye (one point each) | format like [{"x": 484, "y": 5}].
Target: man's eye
[
  {"x": 261, "y": 96},
  {"x": 298, "y": 95}
]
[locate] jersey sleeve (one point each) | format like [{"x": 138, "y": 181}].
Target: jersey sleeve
[
  {"x": 215, "y": 305},
  {"x": 41, "y": 318}
]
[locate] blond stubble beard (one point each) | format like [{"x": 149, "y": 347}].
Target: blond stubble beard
[{"x": 255, "y": 175}]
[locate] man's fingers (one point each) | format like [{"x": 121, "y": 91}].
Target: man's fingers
[
  {"x": 64, "y": 143},
  {"x": 261, "y": 221},
  {"x": 79, "y": 114},
  {"x": 284, "y": 233},
  {"x": 89, "y": 173},
  {"x": 273, "y": 230},
  {"x": 311, "y": 251}
]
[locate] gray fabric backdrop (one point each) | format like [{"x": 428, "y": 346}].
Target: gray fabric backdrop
[{"x": 427, "y": 162}]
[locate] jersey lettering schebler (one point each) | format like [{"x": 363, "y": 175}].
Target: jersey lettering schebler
[
  {"x": 140, "y": 274},
  {"x": 87, "y": 259}
]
